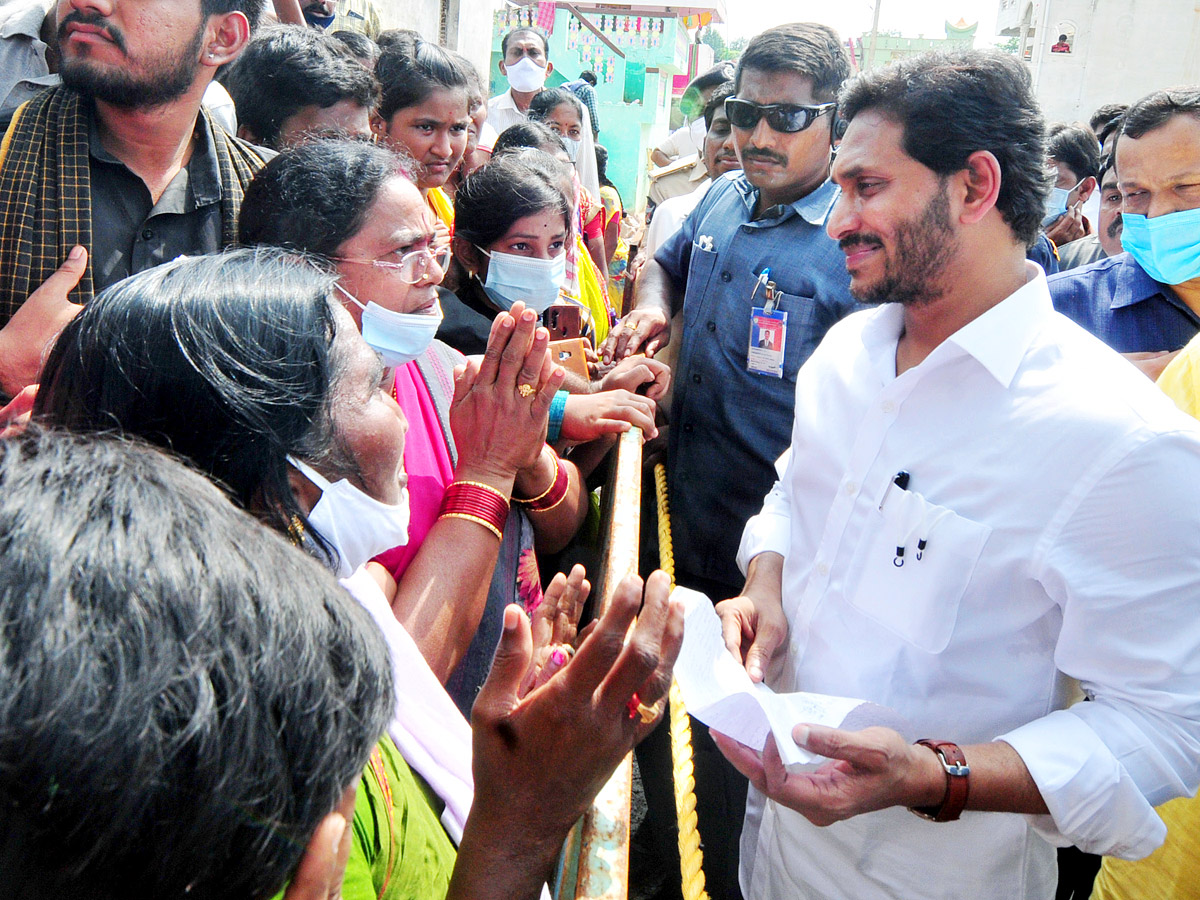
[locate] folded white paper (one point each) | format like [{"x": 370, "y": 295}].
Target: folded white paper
[{"x": 720, "y": 694}]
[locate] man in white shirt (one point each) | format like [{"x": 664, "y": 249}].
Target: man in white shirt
[
  {"x": 525, "y": 63},
  {"x": 980, "y": 503}
]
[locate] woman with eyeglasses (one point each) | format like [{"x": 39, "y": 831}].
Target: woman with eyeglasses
[{"x": 356, "y": 210}]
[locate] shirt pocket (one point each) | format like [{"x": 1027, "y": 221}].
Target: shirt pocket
[
  {"x": 802, "y": 315},
  {"x": 915, "y": 563},
  {"x": 700, "y": 270}
]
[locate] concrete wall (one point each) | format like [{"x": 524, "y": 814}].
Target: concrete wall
[
  {"x": 1121, "y": 50},
  {"x": 469, "y": 23}
]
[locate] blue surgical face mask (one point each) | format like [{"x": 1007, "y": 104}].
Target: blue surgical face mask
[
  {"x": 1167, "y": 247},
  {"x": 1056, "y": 204},
  {"x": 535, "y": 281},
  {"x": 398, "y": 338}
]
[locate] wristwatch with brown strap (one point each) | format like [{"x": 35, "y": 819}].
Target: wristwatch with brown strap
[{"x": 958, "y": 782}]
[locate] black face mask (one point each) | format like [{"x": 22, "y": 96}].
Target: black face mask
[{"x": 318, "y": 21}]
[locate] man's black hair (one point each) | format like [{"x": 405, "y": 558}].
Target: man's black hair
[
  {"x": 286, "y": 68},
  {"x": 183, "y": 695},
  {"x": 589, "y": 76},
  {"x": 952, "y": 104},
  {"x": 716, "y": 102},
  {"x": 358, "y": 45},
  {"x": 1155, "y": 110},
  {"x": 806, "y": 48},
  {"x": 517, "y": 32},
  {"x": 1076, "y": 148},
  {"x": 251, "y": 8},
  {"x": 1105, "y": 117}
]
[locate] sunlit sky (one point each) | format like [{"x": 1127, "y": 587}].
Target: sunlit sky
[{"x": 853, "y": 17}]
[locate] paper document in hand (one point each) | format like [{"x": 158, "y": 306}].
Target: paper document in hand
[{"x": 720, "y": 694}]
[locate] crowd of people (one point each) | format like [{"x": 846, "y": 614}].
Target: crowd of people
[{"x": 311, "y": 353}]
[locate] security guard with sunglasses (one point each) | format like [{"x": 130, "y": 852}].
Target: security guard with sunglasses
[{"x": 760, "y": 283}]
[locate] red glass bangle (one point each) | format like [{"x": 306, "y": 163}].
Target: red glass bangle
[
  {"x": 554, "y": 494},
  {"x": 475, "y": 502}
]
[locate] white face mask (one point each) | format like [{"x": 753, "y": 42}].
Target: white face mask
[
  {"x": 356, "y": 525},
  {"x": 572, "y": 146},
  {"x": 526, "y": 76},
  {"x": 535, "y": 281},
  {"x": 397, "y": 337}
]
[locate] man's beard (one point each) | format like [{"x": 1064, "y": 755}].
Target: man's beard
[
  {"x": 923, "y": 247},
  {"x": 168, "y": 78}
]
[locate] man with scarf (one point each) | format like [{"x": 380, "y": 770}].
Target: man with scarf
[{"x": 118, "y": 169}]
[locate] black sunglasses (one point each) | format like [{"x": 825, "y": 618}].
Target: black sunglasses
[{"x": 780, "y": 116}]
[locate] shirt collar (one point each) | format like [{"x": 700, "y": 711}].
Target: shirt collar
[
  {"x": 506, "y": 101},
  {"x": 1134, "y": 284},
  {"x": 26, "y": 22},
  {"x": 813, "y": 207},
  {"x": 203, "y": 171},
  {"x": 997, "y": 339}
]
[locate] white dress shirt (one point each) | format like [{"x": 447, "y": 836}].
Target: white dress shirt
[
  {"x": 1058, "y": 495},
  {"x": 503, "y": 113}
]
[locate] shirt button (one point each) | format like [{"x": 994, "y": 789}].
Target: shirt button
[
  {"x": 726, "y": 277},
  {"x": 822, "y": 569},
  {"x": 696, "y": 378},
  {"x": 712, "y": 326},
  {"x": 147, "y": 233},
  {"x": 888, "y": 406},
  {"x": 687, "y": 429},
  {"x": 851, "y": 488}
]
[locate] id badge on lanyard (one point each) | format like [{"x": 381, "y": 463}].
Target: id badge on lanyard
[{"x": 768, "y": 330}]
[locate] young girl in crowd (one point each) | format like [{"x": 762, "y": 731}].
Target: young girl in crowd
[
  {"x": 583, "y": 282},
  {"x": 247, "y": 365},
  {"x": 424, "y": 112},
  {"x": 354, "y": 208}
]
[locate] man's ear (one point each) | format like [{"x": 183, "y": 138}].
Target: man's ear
[
  {"x": 224, "y": 38},
  {"x": 247, "y": 135},
  {"x": 549, "y": 68},
  {"x": 1087, "y": 188},
  {"x": 980, "y": 186},
  {"x": 503, "y": 70},
  {"x": 323, "y": 865}
]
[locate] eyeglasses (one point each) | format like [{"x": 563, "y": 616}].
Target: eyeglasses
[
  {"x": 780, "y": 116},
  {"x": 414, "y": 266}
]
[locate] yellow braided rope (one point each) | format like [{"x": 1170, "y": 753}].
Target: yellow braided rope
[{"x": 691, "y": 859}]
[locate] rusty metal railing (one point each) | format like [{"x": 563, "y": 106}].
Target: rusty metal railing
[{"x": 595, "y": 863}]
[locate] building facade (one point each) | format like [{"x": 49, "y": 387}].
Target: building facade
[{"x": 1085, "y": 53}]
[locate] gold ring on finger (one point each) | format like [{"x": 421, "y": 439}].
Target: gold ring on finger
[
  {"x": 634, "y": 326},
  {"x": 526, "y": 390}
]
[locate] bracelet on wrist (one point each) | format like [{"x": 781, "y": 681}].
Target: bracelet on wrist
[
  {"x": 553, "y": 495},
  {"x": 558, "y": 409},
  {"x": 478, "y": 503}
]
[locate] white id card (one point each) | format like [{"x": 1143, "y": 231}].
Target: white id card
[{"x": 768, "y": 334}]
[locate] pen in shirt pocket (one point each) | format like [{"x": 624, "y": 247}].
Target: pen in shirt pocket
[{"x": 900, "y": 480}]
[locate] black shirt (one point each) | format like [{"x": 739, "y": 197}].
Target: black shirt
[{"x": 130, "y": 233}]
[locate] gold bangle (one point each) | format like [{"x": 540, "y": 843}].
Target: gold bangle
[
  {"x": 476, "y": 519},
  {"x": 486, "y": 487},
  {"x": 553, "y": 482}
]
